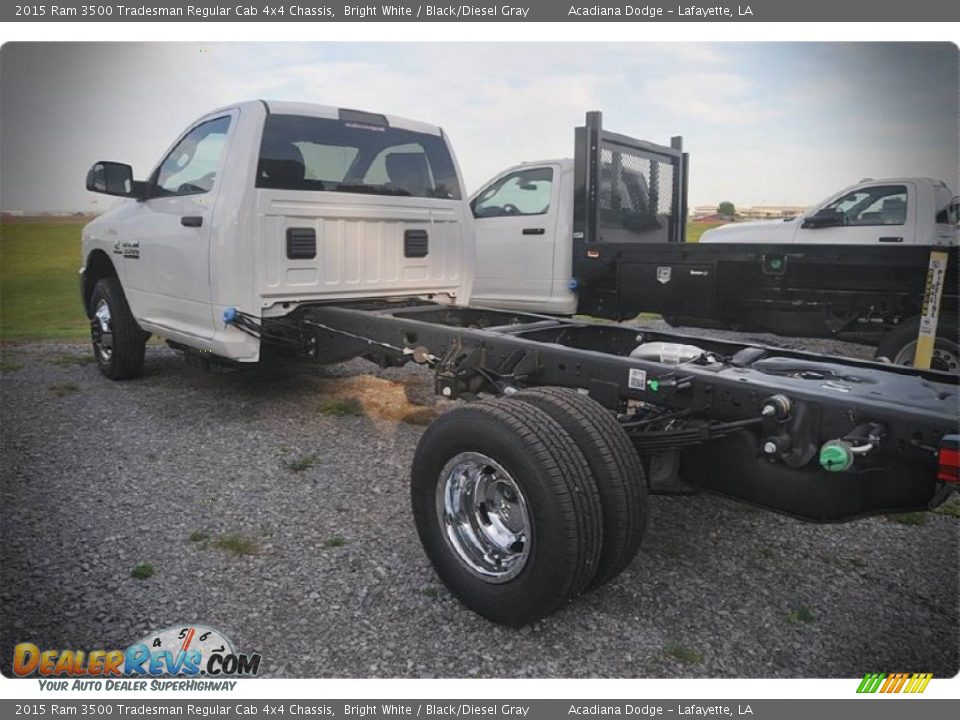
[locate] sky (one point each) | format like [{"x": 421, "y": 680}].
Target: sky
[{"x": 764, "y": 123}]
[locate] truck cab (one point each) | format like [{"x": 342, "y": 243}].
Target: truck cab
[
  {"x": 262, "y": 206},
  {"x": 891, "y": 211},
  {"x": 522, "y": 217}
]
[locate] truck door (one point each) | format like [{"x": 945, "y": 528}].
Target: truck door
[
  {"x": 166, "y": 241},
  {"x": 516, "y": 225},
  {"x": 884, "y": 214}
]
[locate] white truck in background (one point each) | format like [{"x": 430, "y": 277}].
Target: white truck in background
[{"x": 895, "y": 211}]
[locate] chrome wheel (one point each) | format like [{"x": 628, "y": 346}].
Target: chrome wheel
[
  {"x": 101, "y": 331},
  {"x": 484, "y": 517},
  {"x": 946, "y": 355}
]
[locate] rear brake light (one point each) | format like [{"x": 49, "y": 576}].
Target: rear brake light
[{"x": 948, "y": 459}]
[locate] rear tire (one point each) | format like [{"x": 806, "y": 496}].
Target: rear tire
[
  {"x": 118, "y": 342},
  {"x": 616, "y": 467},
  {"x": 493, "y": 470},
  {"x": 898, "y": 345}
]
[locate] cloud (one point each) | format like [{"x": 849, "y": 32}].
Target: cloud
[{"x": 721, "y": 98}]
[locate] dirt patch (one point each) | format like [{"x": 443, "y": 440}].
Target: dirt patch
[{"x": 408, "y": 401}]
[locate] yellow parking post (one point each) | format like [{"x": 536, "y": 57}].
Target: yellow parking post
[{"x": 936, "y": 272}]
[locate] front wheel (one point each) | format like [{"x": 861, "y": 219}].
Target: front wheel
[
  {"x": 118, "y": 342},
  {"x": 506, "y": 510}
]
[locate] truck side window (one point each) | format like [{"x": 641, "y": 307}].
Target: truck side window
[
  {"x": 880, "y": 205},
  {"x": 191, "y": 167},
  {"x": 950, "y": 215},
  {"x": 526, "y": 192}
]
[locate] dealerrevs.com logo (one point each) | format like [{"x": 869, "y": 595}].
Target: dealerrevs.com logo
[{"x": 183, "y": 651}]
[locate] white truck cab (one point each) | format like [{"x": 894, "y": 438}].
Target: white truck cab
[
  {"x": 261, "y": 206},
  {"x": 520, "y": 217},
  {"x": 892, "y": 211}
]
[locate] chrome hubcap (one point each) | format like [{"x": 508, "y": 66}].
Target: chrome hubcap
[
  {"x": 101, "y": 331},
  {"x": 484, "y": 517},
  {"x": 946, "y": 355}
]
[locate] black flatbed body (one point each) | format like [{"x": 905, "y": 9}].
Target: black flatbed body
[{"x": 630, "y": 255}]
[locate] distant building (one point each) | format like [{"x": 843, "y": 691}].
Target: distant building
[
  {"x": 708, "y": 213},
  {"x": 771, "y": 212}
]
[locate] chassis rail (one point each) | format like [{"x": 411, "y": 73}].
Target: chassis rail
[{"x": 746, "y": 420}]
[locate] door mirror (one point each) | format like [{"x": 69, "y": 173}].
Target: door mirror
[
  {"x": 827, "y": 217},
  {"x": 111, "y": 178}
]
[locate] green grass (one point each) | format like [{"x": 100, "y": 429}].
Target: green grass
[
  {"x": 336, "y": 541},
  {"x": 696, "y": 229},
  {"x": 8, "y": 365},
  {"x": 910, "y": 518},
  {"x": 684, "y": 653},
  {"x": 801, "y": 614},
  {"x": 432, "y": 592},
  {"x": 142, "y": 571},
  {"x": 198, "y": 536},
  {"x": 64, "y": 389},
  {"x": 300, "y": 464},
  {"x": 951, "y": 507},
  {"x": 39, "y": 286},
  {"x": 340, "y": 407},
  {"x": 237, "y": 545}
]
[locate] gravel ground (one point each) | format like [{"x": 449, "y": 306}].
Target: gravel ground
[{"x": 272, "y": 505}]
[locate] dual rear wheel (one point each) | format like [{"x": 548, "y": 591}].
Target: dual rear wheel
[{"x": 526, "y": 502}]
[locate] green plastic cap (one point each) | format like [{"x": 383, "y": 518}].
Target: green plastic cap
[{"x": 835, "y": 457}]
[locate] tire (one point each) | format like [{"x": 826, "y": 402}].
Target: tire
[
  {"x": 899, "y": 344},
  {"x": 510, "y": 449},
  {"x": 118, "y": 342},
  {"x": 616, "y": 467}
]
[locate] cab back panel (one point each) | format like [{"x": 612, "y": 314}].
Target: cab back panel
[{"x": 362, "y": 247}]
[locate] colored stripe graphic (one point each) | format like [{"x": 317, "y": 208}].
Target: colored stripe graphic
[{"x": 894, "y": 683}]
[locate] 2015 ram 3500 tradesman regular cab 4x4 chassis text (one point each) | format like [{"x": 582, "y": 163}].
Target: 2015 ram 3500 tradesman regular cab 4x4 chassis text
[{"x": 331, "y": 234}]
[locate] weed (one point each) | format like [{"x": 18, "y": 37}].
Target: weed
[
  {"x": 336, "y": 541},
  {"x": 684, "y": 653},
  {"x": 141, "y": 571},
  {"x": 910, "y": 518},
  {"x": 198, "y": 536},
  {"x": 951, "y": 507},
  {"x": 299, "y": 464},
  {"x": 432, "y": 592},
  {"x": 340, "y": 407},
  {"x": 801, "y": 614},
  {"x": 236, "y": 545},
  {"x": 63, "y": 389}
]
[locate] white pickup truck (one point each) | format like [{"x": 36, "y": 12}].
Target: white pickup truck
[
  {"x": 897, "y": 211},
  {"x": 331, "y": 234}
]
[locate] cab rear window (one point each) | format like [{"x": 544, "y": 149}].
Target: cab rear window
[{"x": 308, "y": 153}]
